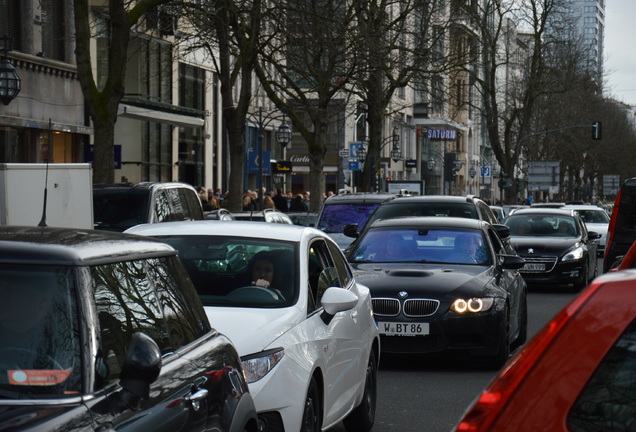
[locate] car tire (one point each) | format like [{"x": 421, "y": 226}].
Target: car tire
[
  {"x": 523, "y": 324},
  {"x": 582, "y": 281},
  {"x": 362, "y": 417},
  {"x": 312, "y": 413}
]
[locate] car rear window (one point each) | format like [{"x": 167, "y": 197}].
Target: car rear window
[
  {"x": 398, "y": 209},
  {"x": 118, "y": 210},
  {"x": 334, "y": 217}
]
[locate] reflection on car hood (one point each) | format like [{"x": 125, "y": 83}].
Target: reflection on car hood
[
  {"x": 548, "y": 246},
  {"x": 22, "y": 417},
  {"x": 250, "y": 329},
  {"x": 431, "y": 280}
]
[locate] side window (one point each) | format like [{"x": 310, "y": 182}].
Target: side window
[
  {"x": 192, "y": 204},
  {"x": 340, "y": 263},
  {"x": 177, "y": 210},
  {"x": 125, "y": 303},
  {"x": 162, "y": 208},
  {"x": 609, "y": 390},
  {"x": 181, "y": 306},
  {"x": 322, "y": 274},
  {"x": 486, "y": 213}
]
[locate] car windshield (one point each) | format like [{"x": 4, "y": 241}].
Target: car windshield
[
  {"x": 240, "y": 271},
  {"x": 334, "y": 217},
  {"x": 423, "y": 208},
  {"x": 439, "y": 245},
  {"x": 118, "y": 210},
  {"x": 542, "y": 225},
  {"x": 39, "y": 335}
]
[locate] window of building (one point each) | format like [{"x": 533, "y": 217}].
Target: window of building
[{"x": 54, "y": 25}]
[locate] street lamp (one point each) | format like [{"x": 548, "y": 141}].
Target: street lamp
[
  {"x": 10, "y": 83},
  {"x": 283, "y": 137},
  {"x": 396, "y": 151}
]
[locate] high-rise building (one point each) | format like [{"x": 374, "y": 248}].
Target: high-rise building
[{"x": 590, "y": 20}]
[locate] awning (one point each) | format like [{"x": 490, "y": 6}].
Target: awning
[{"x": 148, "y": 114}]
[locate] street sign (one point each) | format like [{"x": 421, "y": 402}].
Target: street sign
[
  {"x": 344, "y": 153},
  {"x": 354, "y": 165},
  {"x": 485, "y": 171}
]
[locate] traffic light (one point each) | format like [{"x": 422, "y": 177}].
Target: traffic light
[
  {"x": 449, "y": 166},
  {"x": 596, "y": 130}
]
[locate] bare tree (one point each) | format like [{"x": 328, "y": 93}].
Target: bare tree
[
  {"x": 305, "y": 70},
  {"x": 102, "y": 101}
]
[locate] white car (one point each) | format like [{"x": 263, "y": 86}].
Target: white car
[
  {"x": 596, "y": 219},
  {"x": 308, "y": 341}
]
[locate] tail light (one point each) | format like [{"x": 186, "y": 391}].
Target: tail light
[{"x": 493, "y": 400}]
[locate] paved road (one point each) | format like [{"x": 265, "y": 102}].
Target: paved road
[{"x": 427, "y": 396}]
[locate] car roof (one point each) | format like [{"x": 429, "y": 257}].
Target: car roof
[
  {"x": 66, "y": 246},
  {"x": 359, "y": 198},
  {"x": 435, "y": 198},
  {"x": 430, "y": 221},
  {"x": 543, "y": 210},
  {"x": 141, "y": 186},
  {"x": 583, "y": 207},
  {"x": 286, "y": 232}
]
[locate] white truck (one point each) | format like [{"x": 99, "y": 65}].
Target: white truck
[{"x": 41, "y": 194}]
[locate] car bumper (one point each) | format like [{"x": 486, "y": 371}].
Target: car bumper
[
  {"x": 449, "y": 335},
  {"x": 560, "y": 274}
]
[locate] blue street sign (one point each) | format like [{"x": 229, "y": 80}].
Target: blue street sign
[
  {"x": 253, "y": 162},
  {"x": 354, "y": 166},
  {"x": 485, "y": 171}
]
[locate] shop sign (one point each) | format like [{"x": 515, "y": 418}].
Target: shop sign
[{"x": 442, "y": 134}]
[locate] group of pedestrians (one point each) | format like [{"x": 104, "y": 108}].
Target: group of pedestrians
[{"x": 277, "y": 199}]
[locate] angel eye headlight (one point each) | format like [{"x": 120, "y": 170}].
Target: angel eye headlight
[
  {"x": 472, "y": 305},
  {"x": 256, "y": 366}
]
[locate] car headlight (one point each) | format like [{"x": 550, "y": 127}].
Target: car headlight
[
  {"x": 574, "y": 255},
  {"x": 256, "y": 366},
  {"x": 472, "y": 305}
]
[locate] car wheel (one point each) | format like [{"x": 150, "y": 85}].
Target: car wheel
[
  {"x": 312, "y": 415},
  {"x": 503, "y": 352},
  {"x": 582, "y": 280},
  {"x": 362, "y": 417},
  {"x": 523, "y": 324}
]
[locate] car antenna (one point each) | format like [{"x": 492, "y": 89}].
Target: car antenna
[{"x": 46, "y": 179}]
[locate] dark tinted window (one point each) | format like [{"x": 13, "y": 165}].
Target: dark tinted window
[
  {"x": 608, "y": 401},
  {"x": 39, "y": 332},
  {"x": 168, "y": 206},
  {"x": 415, "y": 208},
  {"x": 119, "y": 210},
  {"x": 340, "y": 263},
  {"x": 334, "y": 217},
  {"x": 126, "y": 303},
  {"x": 191, "y": 203},
  {"x": 322, "y": 274},
  {"x": 181, "y": 306}
]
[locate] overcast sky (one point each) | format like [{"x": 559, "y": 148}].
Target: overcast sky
[{"x": 620, "y": 51}]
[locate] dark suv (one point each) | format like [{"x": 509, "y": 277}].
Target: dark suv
[
  {"x": 345, "y": 209},
  {"x": 104, "y": 331},
  {"x": 429, "y": 205},
  {"x": 117, "y": 207},
  {"x": 621, "y": 232}
]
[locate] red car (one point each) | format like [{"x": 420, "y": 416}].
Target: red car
[
  {"x": 577, "y": 374},
  {"x": 627, "y": 261}
]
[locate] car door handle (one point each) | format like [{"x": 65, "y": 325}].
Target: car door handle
[
  {"x": 354, "y": 316},
  {"x": 196, "y": 398}
]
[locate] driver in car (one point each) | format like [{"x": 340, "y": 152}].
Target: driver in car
[{"x": 262, "y": 270}]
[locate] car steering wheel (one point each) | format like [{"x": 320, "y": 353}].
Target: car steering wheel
[{"x": 270, "y": 292}]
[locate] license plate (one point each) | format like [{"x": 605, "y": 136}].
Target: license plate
[
  {"x": 533, "y": 267},
  {"x": 403, "y": 329}
]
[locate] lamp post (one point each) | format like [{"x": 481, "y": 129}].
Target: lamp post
[
  {"x": 283, "y": 137},
  {"x": 10, "y": 83}
]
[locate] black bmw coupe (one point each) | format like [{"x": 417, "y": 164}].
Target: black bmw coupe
[{"x": 443, "y": 286}]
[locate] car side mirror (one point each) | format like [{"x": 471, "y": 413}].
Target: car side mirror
[
  {"x": 351, "y": 230},
  {"x": 141, "y": 368},
  {"x": 502, "y": 230},
  {"x": 511, "y": 262},
  {"x": 337, "y": 299}
]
